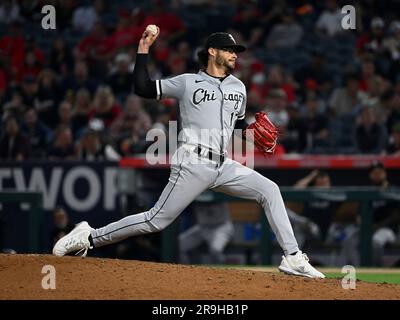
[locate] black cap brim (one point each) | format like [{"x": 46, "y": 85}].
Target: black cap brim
[{"x": 237, "y": 47}]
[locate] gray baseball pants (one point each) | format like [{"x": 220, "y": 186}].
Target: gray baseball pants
[{"x": 190, "y": 176}]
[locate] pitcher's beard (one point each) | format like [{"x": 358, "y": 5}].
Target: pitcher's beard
[{"x": 224, "y": 63}]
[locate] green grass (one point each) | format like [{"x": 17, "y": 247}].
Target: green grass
[
  {"x": 370, "y": 277},
  {"x": 376, "y": 275}
]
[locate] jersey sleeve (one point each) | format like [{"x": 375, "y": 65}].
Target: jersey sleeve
[
  {"x": 242, "y": 110},
  {"x": 172, "y": 87}
]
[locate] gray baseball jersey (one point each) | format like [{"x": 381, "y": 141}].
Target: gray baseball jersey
[{"x": 209, "y": 109}]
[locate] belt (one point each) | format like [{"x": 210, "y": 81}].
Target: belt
[{"x": 207, "y": 153}]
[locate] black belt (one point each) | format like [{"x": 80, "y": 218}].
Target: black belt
[{"x": 206, "y": 153}]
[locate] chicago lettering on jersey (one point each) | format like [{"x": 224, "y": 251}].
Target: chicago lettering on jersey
[
  {"x": 233, "y": 97},
  {"x": 202, "y": 95}
]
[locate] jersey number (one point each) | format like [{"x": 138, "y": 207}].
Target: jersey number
[{"x": 232, "y": 114}]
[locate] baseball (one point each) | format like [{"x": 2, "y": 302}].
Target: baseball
[{"x": 152, "y": 28}]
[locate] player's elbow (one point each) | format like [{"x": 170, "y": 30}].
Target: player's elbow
[{"x": 145, "y": 89}]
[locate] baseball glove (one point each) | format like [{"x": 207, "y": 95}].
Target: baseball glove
[{"x": 263, "y": 133}]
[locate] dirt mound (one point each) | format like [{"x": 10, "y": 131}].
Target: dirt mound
[{"x": 76, "y": 278}]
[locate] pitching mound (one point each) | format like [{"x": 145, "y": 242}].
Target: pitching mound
[{"x": 21, "y": 278}]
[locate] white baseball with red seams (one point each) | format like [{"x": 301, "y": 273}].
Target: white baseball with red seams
[{"x": 152, "y": 28}]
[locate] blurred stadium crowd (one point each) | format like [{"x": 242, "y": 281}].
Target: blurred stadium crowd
[{"x": 67, "y": 93}]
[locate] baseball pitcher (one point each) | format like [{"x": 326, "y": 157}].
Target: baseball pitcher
[{"x": 213, "y": 100}]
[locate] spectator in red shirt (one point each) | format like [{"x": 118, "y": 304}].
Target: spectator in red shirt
[
  {"x": 161, "y": 52},
  {"x": 30, "y": 68},
  {"x": 106, "y": 108},
  {"x": 3, "y": 83},
  {"x": 247, "y": 21},
  {"x": 372, "y": 41},
  {"x": 171, "y": 25},
  {"x": 97, "y": 48},
  {"x": 127, "y": 31},
  {"x": 12, "y": 45},
  {"x": 22, "y": 54},
  {"x": 276, "y": 80},
  {"x": 97, "y": 45},
  {"x": 250, "y": 70}
]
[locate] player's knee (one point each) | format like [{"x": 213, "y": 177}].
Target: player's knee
[
  {"x": 274, "y": 188},
  {"x": 161, "y": 224},
  {"x": 269, "y": 190}
]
